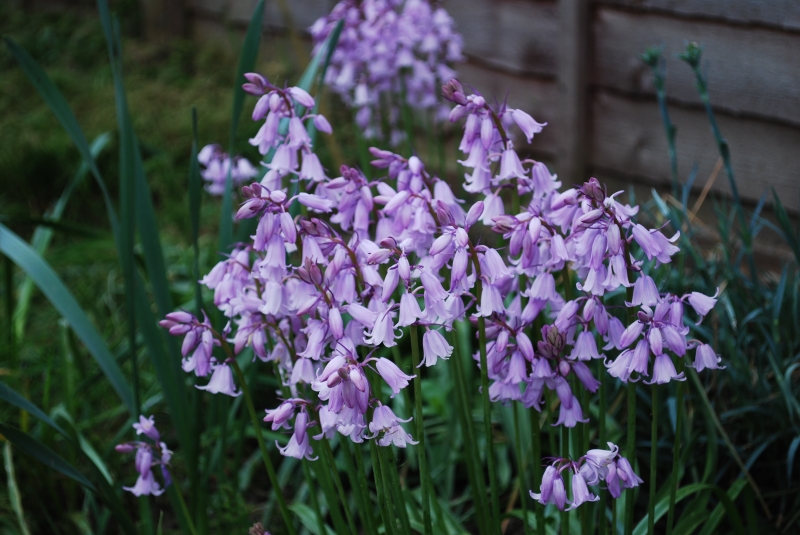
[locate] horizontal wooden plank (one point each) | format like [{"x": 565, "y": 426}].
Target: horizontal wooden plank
[
  {"x": 303, "y": 12},
  {"x": 518, "y": 36},
  {"x": 628, "y": 138},
  {"x": 778, "y": 13},
  {"x": 752, "y": 71}
]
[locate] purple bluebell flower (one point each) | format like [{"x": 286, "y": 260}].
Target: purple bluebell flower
[
  {"x": 706, "y": 358},
  {"x": 394, "y": 377},
  {"x": 434, "y": 347},
  {"x": 221, "y": 382}
]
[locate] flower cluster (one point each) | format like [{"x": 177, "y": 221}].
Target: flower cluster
[
  {"x": 389, "y": 50},
  {"x": 597, "y": 465},
  {"x": 325, "y": 295},
  {"x": 148, "y": 455},
  {"x": 216, "y": 166}
]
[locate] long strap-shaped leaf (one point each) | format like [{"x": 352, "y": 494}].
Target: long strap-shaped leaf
[
  {"x": 9, "y": 395},
  {"x": 43, "y": 454},
  {"x": 43, "y": 234},
  {"x": 247, "y": 61},
  {"x": 51, "y": 286}
]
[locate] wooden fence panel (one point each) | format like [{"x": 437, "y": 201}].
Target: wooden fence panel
[
  {"x": 751, "y": 71},
  {"x": 514, "y": 35},
  {"x": 628, "y": 139},
  {"x": 777, "y": 13}
]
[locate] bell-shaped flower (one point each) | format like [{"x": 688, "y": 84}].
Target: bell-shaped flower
[
  {"x": 706, "y": 357},
  {"x": 394, "y": 377},
  {"x": 645, "y": 292},
  {"x": 383, "y": 418},
  {"x": 396, "y": 436},
  {"x": 580, "y": 492},
  {"x": 664, "y": 371},
  {"x": 701, "y": 303},
  {"x": 221, "y": 382},
  {"x": 434, "y": 347},
  {"x": 145, "y": 485}
]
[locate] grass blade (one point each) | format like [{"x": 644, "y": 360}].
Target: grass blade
[
  {"x": 43, "y": 454},
  {"x": 195, "y": 198},
  {"x": 13, "y": 489},
  {"x": 42, "y": 235},
  {"x": 247, "y": 61},
  {"x": 51, "y": 286},
  {"x": 10, "y": 396},
  {"x": 685, "y": 492}
]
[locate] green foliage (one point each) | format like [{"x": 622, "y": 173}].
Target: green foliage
[{"x": 746, "y": 418}]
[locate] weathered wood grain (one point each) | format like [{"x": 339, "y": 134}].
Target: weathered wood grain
[
  {"x": 572, "y": 67},
  {"x": 751, "y": 71},
  {"x": 779, "y": 13},
  {"x": 628, "y": 138},
  {"x": 518, "y": 36}
]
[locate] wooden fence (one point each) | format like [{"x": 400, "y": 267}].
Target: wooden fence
[{"x": 574, "y": 63}]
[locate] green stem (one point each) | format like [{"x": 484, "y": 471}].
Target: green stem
[
  {"x": 472, "y": 461},
  {"x": 387, "y": 491},
  {"x": 397, "y": 490},
  {"x": 614, "y": 517},
  {"x": 383, "y": 501},
  {"x": 312, "y": 494},
  {"x": 362, "y": 482},
  {"x": 487, "y": 421},
  {"x": 602, "y": 442},
  {"x": 630, "y": 453},
  {"x": 520, "y": 470},
  {"x": 423, "y": 461},
  {"x": 565, "y": 454},
  {"x": 326, "y": 448},
  {"x": 651, "y": 508},
  {"x": 362, "y": 497},
  {"x": 323, "y": 471},
  {"x": 676, "y": 453},
  {"x": 273, "y": 478},
  {"x": 537, "y": 467}
]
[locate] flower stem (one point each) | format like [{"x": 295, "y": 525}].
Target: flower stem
[
  {"x": 397, "y": 490},
  {"x": 602, "y": 440},
  {"x": 472, "y": 460},
  {"x": 630, "y": 453},
  {"x": 313, "y": 495},
  {"x": 359, "y": 485},
  {"x": 487, "y": 423},
  {"x": 651, "y": 507},
  {"x": 326, "y": 448},
  {"x": 520, "y": 470},
  {"x": 383, "y": 501},
  {"x": 537, "y": 466},
  {"x": 273, "y": 478},
  {"x": 566, "y": 455},
  {"x": 423, "y": 461},
  {"x": 676, "y": 453}
]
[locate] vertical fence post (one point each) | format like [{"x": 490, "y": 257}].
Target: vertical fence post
[{"x": 573, "y": 48}]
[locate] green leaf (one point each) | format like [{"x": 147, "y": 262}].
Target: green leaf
[
  {"x": 10, "y": 396},
  {"x": 247, "y": 61},
  {"x": 195, "y": 198},
  {"x": 55, "y": 100},
  {"x": 308, "y": 519},
  {"x": 83, "y": 444},
  {"x": 43, "y": 454},
  {"x": 51, "y": 286},
  {"x": 714, "y": 519},
  {"x": 684, "y": 492},
  {"x": 42, "y": 235},
  {"x": 13, "y": 489}
]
